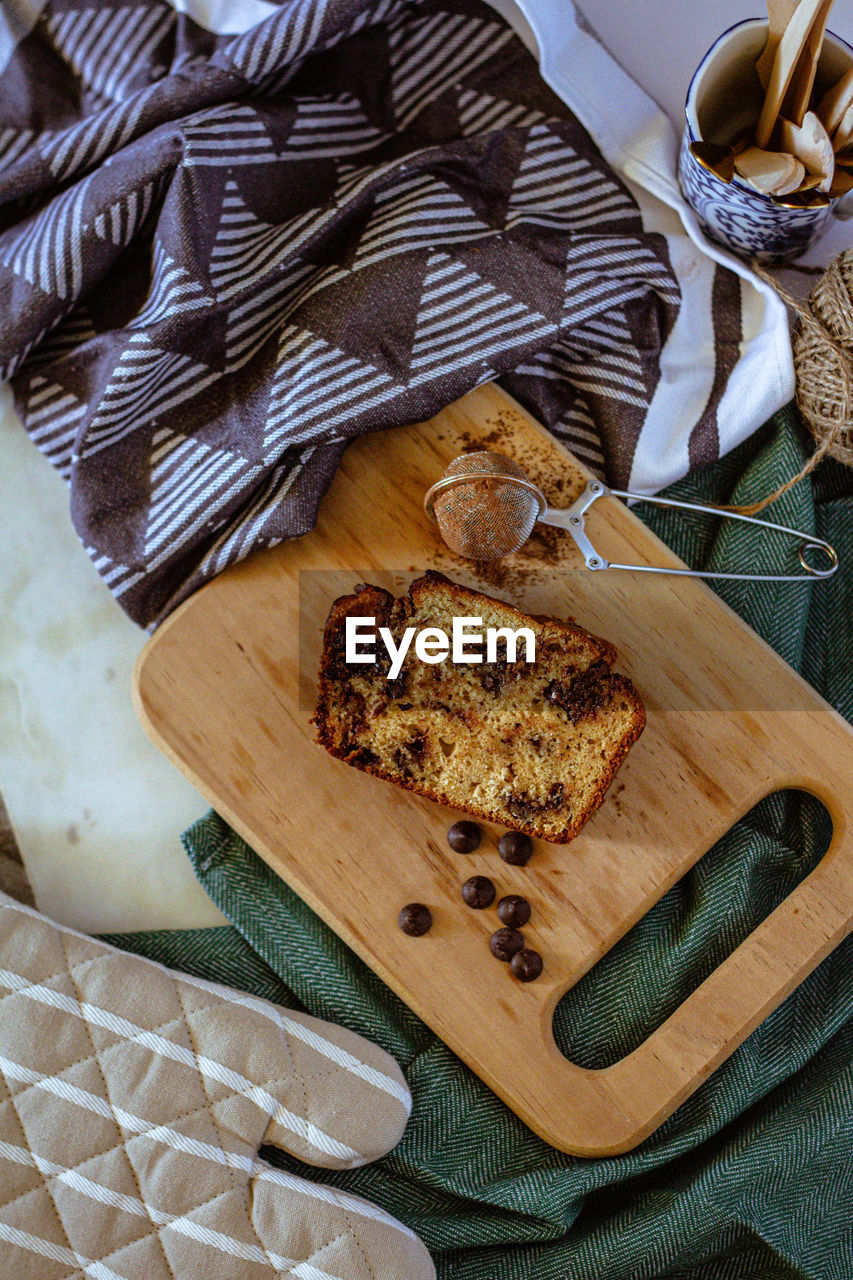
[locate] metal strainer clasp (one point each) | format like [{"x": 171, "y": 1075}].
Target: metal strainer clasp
[{"x": 486, "y": 507}]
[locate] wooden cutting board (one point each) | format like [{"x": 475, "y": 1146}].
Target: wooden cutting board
[{"x": 226, "y": 689}]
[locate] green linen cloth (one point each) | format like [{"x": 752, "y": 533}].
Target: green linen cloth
[{"x": 752, "y": 1178}]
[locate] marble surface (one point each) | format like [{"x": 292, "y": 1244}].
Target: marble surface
[{"x": 96, "y": 810}]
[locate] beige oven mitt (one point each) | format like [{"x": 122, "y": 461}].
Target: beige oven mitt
[{"x": 133, "y": 1101}]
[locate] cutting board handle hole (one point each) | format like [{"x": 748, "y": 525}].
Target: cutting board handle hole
[{"x": 626, "y": 996}]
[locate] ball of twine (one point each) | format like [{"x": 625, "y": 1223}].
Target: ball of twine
[
  {"x": 823, "y": 364},
  {"x": 825, "y": 368}
]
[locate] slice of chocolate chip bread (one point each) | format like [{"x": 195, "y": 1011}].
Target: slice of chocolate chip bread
[{"x": 529, "y": 745}]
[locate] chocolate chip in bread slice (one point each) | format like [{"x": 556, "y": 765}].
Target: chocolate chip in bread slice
[{"x": 528, "y": 745}]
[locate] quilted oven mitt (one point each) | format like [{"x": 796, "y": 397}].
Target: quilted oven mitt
[{"x": 133, "y": 1101}]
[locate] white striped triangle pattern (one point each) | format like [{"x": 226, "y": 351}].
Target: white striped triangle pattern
[
  {"x": 47, "y": 253},
  {"x": 589, "y": 294},
  {"x": 50, "y": 345},
  {"x": 315, "y": 387},
  {"x": 431, "y": 55},
  {"x": 273, "y": 52},
  {"x": 617, "y": 373},
  {"x": 609, "y": 331},
  {"x": 594, "y": 367},
  {"x": 593, "y": 374},
  {"x": 603, "y": 272},
  {"x": 483, "y": 113},
  {"x": 626, "y": 259},
  {"x": 231, "y": 134},
  {"x": 577, "y": 427},
  {"x": 246, "y": 249},
  {"x": 82, "y": 145},
  {"x": 53, "y": 416},
  {"x": 277, "y": 80},
  {"x": 554, "y": 187},
  {"x": 353, "y": 178},
  {"x": 327, "y": 128},
  {"x": 190, "y": 483},
  {"x": 145, "y": 382},
  {"x": 22, "y": 353},
  {"x": 238, "y": 539},
  {"x": 462, "y": 317},
  {"x": 278, "y": 41},
  {"x": 419, "y": 212},
  {"x": 250, "y": 323},
  {"x": 370, "y": 15},
  {"x": 13, "y": 144},
  {"x": 71, "y": 332},
  {"x": 608, "y": 358},
  {"x": 576, "y": 424},
  {"x": 118, "y": 577},
  {"x": 120, "y": 221},
  {"x": 172, "y": 292},
  {"x": 104, "y": 47}
]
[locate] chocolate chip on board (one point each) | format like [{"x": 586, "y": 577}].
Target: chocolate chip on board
[
  {"x": 464, "y": 837},
  {"x": 505, "y": 943},
  {"x": 415, "y": 919},
  {"x": 478, "y": 892},
  {"x": 515, "y": 848},
  {"x": 514, "y": 910},
  {"x": 526, "y": 965}
]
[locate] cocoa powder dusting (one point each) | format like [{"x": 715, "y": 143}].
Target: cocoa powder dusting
[{"x": 547, "y": 548}]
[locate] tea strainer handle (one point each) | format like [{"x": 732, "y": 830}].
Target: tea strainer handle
[{"x": 572, "y": 520}]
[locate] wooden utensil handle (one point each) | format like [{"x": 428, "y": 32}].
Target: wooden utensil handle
[{"x": 612, "y": 1110}]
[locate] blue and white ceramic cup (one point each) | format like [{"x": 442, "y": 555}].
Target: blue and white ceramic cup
[{"x": 724, "y": 99}]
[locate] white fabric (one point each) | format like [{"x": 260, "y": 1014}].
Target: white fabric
[
  {"x": 641, "y": 144},
  {"x": 226, "y": 17}
]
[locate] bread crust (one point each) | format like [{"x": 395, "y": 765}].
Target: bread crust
[{"x": 370, "y": 600}]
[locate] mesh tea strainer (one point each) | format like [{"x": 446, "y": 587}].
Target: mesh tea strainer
[{"x": 486, "y": 507}]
